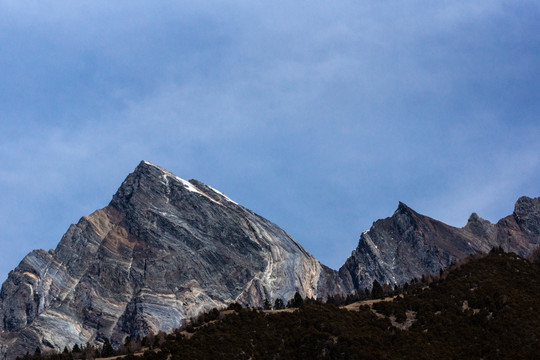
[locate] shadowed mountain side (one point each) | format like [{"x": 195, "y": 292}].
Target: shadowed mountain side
[
  {"x": 408, "y": 245},
  {"x": 165, "y": 250},
  {"x": 162, "y": 251},
  {"x": 484, "y": 308}
]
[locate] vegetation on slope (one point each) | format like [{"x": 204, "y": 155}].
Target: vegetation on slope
[{"x": 487, "y": 308}]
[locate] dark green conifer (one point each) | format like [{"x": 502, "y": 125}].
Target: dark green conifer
[
  {"x": 107, "y": 349},
  {"x": 278, "y": 304},
  {"x": 377, "y": 290},
  {"x": 297, "y": 300}
]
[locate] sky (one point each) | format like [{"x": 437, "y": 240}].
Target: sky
[{"x": 320, "y": 116}]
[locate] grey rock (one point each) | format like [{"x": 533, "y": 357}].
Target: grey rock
[
  {"x": 408, "y": 245},
  {"x": 163, "y": 251}
]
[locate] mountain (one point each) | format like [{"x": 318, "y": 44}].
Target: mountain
[
  {"x": 166, "y": 250},
  {"x": 409, "y": 245},
  {"x": 162, "y": 251},
  {"x": 483, "y": 308}
]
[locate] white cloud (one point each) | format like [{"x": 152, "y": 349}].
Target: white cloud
[{"x": 277, "y": 102}]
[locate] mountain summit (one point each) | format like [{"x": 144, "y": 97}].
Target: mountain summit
[
  {"x": 409, "y": 245},
  {"x": 164, "y": 250}
]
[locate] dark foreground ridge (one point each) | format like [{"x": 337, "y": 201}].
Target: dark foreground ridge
[{"x": 486, "y": 308}]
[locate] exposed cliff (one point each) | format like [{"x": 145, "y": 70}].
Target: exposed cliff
[
  {"x": 166, "y": 249},
  {"x": 408, "y": 245},
  {"x": 162, "y": 251}
]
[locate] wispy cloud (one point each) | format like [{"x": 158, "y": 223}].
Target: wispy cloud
[{"x": 320, "y": 117}]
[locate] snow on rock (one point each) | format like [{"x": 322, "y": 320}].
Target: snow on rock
[{"x": 163, "y": 251}]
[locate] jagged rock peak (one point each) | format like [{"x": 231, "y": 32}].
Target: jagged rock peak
[
  {"x": 527, "y": 204},
  {"x": 480, "y": 228},
  {"x": 159, "y": 177},
  {"x": 403, "y": 209},
  {"x": 163, "y": 251},
  {"x": 474, "y": 217},
  {"x": 408, "y": 244},
  {"x": 527, "y": 214}
]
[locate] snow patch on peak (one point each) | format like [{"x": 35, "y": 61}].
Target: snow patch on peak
[
  {"x": 222, "y": 194},
  {"x": 188, "y": 185},
  {"x": 148, "y": 163}
]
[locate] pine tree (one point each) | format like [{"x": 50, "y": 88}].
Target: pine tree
[
  {"x": 377, "y": 290},
  {"x": 267, "y": 305},
  {"x": 297, "y": 300},
  {"x": 107, "y": 350},
  {"x": 278, "y": 304}
]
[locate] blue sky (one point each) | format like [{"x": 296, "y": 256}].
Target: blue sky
[{"x": 318, "y": 115}]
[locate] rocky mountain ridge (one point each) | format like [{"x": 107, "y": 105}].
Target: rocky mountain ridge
[
  {"x": 166, "y": 249},
  {"x": 162, "y": 251},
  {"x": 408, "y": 245}
]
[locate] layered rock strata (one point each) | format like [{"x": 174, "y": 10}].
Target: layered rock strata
[
  {"x": 163, "y": 251},
  {"x": 408, "y": 245}
]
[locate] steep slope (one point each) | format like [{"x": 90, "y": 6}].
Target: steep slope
[
  {"x": 485, "y": 308},
  {"x": 408, "y": 245},
  {"x": 162, "y": 251}
]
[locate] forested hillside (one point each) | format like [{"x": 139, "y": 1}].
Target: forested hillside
[{"x": 485, "y": 308}]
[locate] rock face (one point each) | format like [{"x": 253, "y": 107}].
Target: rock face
[
  {"x": 165, "y": 250},
  {"x": 408, "y": 245},
  {"x": 162, "y": 251}
]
